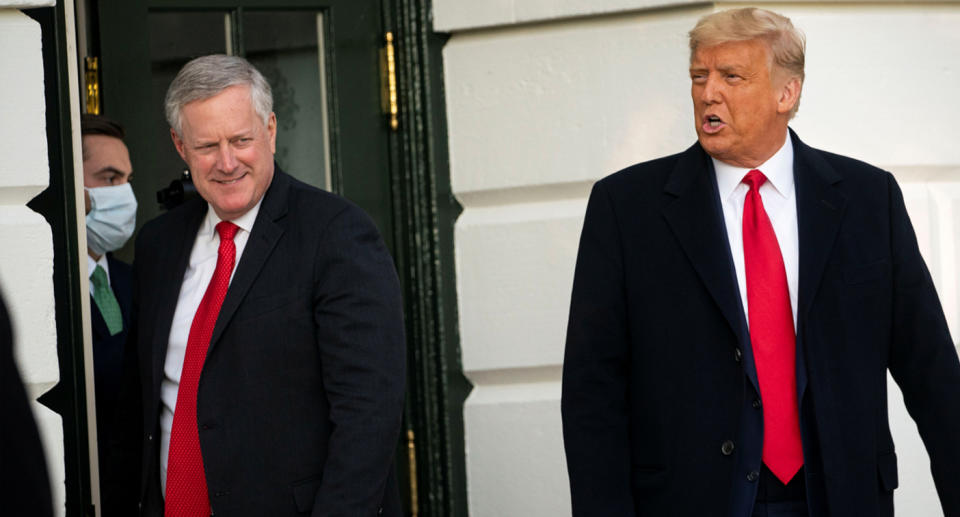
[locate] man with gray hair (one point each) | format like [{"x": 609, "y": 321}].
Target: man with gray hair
[
  {"x": 736, "y": 308},
  {"x": 268, "y": 352}
]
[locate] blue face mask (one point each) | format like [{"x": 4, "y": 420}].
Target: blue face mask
[{"x": 112, "y": 217}]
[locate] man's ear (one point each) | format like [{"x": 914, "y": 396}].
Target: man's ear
[
  {"x": 178, "y": 144},
  {"x": 272, "y": 131},
  {"x": 789, "y": 94}
]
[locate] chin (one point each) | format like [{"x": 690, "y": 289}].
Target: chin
[{"x": 711, "y": 148}]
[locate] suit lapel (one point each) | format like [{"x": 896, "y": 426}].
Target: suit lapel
[
  {"x": 263, "y": 238},
  {"x": 173, "y": 257},
  {"x": 696, "y": 219},
  {"x": 820, "y": 207}
]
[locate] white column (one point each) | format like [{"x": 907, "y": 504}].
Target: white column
[{"x": 26, "y": 253}]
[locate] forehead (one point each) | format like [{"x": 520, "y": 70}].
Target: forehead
[
  {"x": 740, "y": 54},
  {"x": 103, "y": 148},
  {"x": 231, "y": 109}
]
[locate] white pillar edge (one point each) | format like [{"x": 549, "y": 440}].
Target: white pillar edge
[{"x": 73, "y": 82}]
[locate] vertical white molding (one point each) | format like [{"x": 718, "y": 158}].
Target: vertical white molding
[
  {"x": 26, "y": 256},
  {"x": 73, "y": 84}
]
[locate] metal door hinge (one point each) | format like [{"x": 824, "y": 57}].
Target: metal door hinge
[
  {"x": 388, "y": 66},
  {"x": 92, "y": 79},
  {"x": 412, "y": 458}
]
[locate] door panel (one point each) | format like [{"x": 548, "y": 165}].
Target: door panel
[{"x": 286, "y": 47}]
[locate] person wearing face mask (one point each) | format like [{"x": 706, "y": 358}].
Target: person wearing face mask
[{"x": 111, "y": 214}]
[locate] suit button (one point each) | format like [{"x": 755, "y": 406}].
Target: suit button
[
  {"x": 149, "y": 437},
  {"x": 756, "y": 403},
  {"x": 726, "y": 448},
  {"x": 753, "y": 476},
  {"x": 737, "y": 355}
]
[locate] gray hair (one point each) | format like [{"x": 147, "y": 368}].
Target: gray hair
[
  {"x": 787, "y": 44},
  {"x": 207, "y": 76}
]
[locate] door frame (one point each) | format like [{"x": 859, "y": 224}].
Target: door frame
[{"x": 425, "y": 212}]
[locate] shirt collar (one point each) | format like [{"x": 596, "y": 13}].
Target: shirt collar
[
  {"x": 778, "y": 170},
  {"x": 245, "y": 221},
  {"x": 92, "y": 264}
]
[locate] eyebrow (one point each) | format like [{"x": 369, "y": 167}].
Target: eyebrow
[
  {"x": 721, "y": 68},
  {"x": 109, "y": 169},
  {"x": 730, "y": 68}
]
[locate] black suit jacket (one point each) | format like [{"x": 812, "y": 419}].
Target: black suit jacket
[
  {"x": 658, "y": 373},
  {"x": 300, "y": 398}
]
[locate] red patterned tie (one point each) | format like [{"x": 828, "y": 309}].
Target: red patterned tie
[
  {"x": 186, "y": 483},
  {"x": 771, "y": 335}
]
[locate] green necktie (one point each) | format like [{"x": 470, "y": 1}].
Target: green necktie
[{"x": 106, "y": 301}]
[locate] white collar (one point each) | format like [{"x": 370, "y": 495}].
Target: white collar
[
  {"x": 102, "y": 262},
  {"x": 778, "y": 170},
  {"x": 245, "y": 221}
]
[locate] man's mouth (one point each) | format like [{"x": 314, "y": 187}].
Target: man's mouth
[
  {"x": 231, "y": 181},
  {"x": 712, "y": 124}
]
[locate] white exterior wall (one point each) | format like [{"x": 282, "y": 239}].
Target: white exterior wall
[
  {"x": 26, "y": 246},
  {"x": 546, "y": 96}
]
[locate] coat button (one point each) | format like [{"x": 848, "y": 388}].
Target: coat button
[
  {"x": 753, "y": 476},
  {"x": 756, "y": 404},
  {"x": 149, "y": 437},
  {"x": 727, "y": 448},
  {"x": 737, "y": 355}
]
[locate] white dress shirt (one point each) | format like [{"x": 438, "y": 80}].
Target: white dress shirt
[
  {"x": 780, "y": 203},
  {"x": 92, "y": 266},
  {"x": 203, "y": 262}
]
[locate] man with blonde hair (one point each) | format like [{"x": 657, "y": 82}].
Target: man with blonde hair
[{"x": 736, "y": 307}]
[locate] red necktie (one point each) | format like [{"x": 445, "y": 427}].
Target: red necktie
[
  {"x": 186, "y": 494},
  {"x": 771, "y": 335}
]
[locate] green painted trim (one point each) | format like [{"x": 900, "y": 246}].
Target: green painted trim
[{"x": 425, "y": 211}]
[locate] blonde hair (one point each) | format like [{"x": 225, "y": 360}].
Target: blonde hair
[{"x": 787, "y": 44}]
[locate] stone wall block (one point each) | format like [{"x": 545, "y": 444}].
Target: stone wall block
[
  {"x": 515, "y": 273},
  {"x": 23, "y": 137},
  {"x": 515, "y": 460},
  {"x": 575, "y": 101}
]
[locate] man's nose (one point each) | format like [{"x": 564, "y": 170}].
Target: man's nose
[
  {"x": 711, "y": 91},
  {"x": 227, "y": 162}
]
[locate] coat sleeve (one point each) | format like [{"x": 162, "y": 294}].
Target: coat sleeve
[
  {"x": 24, "y": 483},
  {"x": 360, "y": 334},
  {"x": 596, "y": 369},
  {"x": 923, "y": 358}
]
